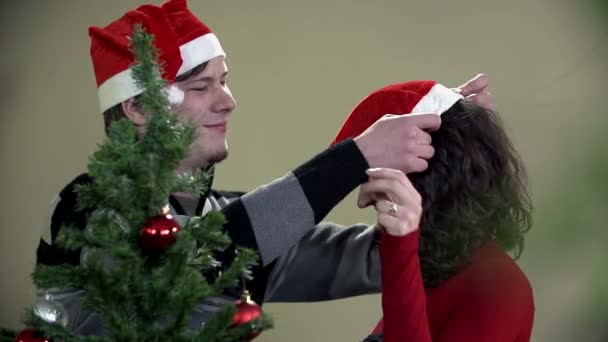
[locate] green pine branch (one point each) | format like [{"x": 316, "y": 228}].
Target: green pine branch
[
  {"x": 239, "y": 269},
  {"x": 194, "y": 184},
  {"x": 60, "y": 276},
  {"x": 7, "y": 335}
]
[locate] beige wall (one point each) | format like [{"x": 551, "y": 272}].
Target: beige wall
[{"x": 297, "y": 68}]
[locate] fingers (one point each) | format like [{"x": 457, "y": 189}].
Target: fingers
[
  {"x": 426, "y": 151},
  {"x": 394, "y": 197},
  {"x": 365, "y": 198},
  {"x": 387, "y": 174},
  {"x": 403, "y": 221},
  {"x": 423, "y": 138},
  {"x": 403, "y": 212},
  {"x": 417, "y": 165},
  {"x": 426, "y": 122},
  {"x": 410, "y": 213},
  {"x": 422, "y": 151},
  {"x": 392, "y": 184},
  {"x": 388, "y": 189},
  {"x": 476, "y": 85},
  {"x": 391, "y": 174},
  {"x": 484, "y": 99},
  {"x": 385, "y": 206},
  {"x": 394, "y": 141}
]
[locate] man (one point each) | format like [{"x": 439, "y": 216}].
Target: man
[{"x": 282, "y": 220}]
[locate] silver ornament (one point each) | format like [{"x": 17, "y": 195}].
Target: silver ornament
[{"x": 50, "y": 311}]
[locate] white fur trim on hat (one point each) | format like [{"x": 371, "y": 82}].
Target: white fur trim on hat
[
  {"x": 122, "y": 86},
  {"x": 198, "y": 51},
  {"x": 117, "y": 89},
  {"x": 438, "y": 100}
]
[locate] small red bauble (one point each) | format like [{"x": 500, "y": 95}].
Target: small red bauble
[
  {"x": 246, "y": 311},
  {"x": 31, "y": 335},
  {"x": 158, "y": 234}
]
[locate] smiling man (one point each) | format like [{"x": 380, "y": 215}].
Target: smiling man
[
  {"x": 281, "y": 220},
  {"x": 203, "y": 98}
]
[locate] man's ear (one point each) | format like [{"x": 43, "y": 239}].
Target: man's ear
[{"x": 133, "y": 112}]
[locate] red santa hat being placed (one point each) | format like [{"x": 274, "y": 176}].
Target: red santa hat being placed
[
  {"x": 183, "y": 42},
  {"x": 414, "y": 97}
]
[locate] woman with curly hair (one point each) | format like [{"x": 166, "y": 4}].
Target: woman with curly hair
[{"x": 451, "y": 280}]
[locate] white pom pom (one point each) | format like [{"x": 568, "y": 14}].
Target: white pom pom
[{"x": 175, "y": 95}]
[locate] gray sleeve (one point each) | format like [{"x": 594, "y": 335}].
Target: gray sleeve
[
  {"x": 330, "y": 262},
  {"x": 274, "y": 217},
  {"x": 279, "y": 204}
]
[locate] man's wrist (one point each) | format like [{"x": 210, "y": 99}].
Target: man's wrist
[{"x": 365, "y": 149}]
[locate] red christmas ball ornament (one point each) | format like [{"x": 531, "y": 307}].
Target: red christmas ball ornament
[
  {"x": 246, "y": 311},
  {"x": 31, "y": 335},
  {"x": 158, "y": 234}
]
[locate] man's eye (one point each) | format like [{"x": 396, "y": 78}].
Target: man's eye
[{"x": 202, "y": 89}]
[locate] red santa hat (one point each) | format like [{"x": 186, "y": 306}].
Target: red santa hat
[
  {"x": 183, "y": 42},
  {"x": 414, "y": 97}
]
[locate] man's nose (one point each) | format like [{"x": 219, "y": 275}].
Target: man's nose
[{"x": 225, "y": 102}]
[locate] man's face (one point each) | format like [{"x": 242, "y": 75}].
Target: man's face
[{"x": 207, "y": 104}]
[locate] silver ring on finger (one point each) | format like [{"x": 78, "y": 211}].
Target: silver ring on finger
[{"x": 394, "y": 209}]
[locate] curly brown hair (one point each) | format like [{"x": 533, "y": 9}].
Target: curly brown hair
[{"x": 473, "y": 190}]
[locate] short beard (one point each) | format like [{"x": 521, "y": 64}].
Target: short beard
[{"x": 189, "y": 165}]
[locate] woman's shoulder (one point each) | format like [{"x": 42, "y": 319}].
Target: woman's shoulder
[{"x": 493, "y": 276}]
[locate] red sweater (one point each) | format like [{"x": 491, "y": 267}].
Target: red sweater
[{"x": 490, "y": 300}]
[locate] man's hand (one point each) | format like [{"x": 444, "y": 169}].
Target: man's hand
[
  {"x": 476, "y": 90},
  {"x": 399, "y": 142}
]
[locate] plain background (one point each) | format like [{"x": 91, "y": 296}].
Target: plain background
[{"x": 297, "y": 69}]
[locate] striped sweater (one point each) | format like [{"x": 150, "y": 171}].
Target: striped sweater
[{"x": 303, "y": 259}]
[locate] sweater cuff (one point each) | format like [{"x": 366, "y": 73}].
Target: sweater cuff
[{"x": 332, "y": 175}]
